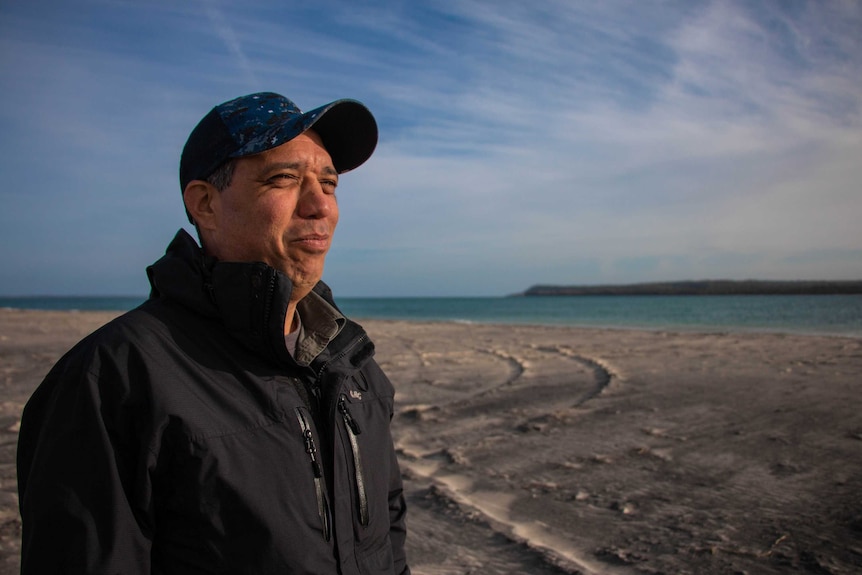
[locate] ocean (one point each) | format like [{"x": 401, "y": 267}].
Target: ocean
[{"x": 808, "y": 314}]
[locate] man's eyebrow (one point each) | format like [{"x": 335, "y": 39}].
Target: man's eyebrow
[
  {"x": 281, "y": 166},
  {"x": 328, "y": 170}
]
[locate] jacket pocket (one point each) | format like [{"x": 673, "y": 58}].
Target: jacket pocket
[{"x": 378, "y": 561}]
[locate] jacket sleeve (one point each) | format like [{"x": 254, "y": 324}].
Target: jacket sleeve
[
  {"x": 397, "y": 518},
  {"x": 83, "y": 488}
]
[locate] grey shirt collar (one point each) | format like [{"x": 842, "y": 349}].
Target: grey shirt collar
[{"x": 319, "y": 323}]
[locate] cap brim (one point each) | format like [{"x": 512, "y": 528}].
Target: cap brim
[{"x": 348, "y": 131}]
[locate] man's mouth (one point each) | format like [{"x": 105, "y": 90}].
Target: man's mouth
[{"x": 313, "y": 242}]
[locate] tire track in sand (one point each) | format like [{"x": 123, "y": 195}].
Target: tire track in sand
[
  {"x": 494, "y": 507},
  {"x": 605, "y": 374}
]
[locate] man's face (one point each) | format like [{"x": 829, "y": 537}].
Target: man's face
[{"x": 280, "y": 208}]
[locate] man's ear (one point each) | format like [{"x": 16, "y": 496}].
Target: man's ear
[{"x": 200, "y": 198}]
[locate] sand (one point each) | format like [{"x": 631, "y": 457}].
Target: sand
[{"x": 544, "y": 450}]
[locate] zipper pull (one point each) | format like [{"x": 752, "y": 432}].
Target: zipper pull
[
  {"x": 323, "y": 509},
  {"x": 315, "y": 396},
  {"x": 352, "y": 431},
  {"x": 311, "y": 450},
  {"x": 348, "y": 418}
]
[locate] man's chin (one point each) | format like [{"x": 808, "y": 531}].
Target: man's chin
[{"x": 304, "y": 279}]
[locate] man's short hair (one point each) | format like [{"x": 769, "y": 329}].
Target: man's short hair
[{"x": 223, "y": 175}]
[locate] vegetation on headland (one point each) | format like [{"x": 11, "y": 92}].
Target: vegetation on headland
[{"x": 706, "y": 287}]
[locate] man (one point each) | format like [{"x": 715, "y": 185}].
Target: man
[{"x": 236, "y": 422}]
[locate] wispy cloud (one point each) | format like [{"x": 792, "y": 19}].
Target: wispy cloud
[{"x": 226, "y": 33}]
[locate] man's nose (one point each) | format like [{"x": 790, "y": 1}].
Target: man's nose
[{"x": 314, "y": 202}]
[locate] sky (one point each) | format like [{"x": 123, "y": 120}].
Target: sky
[{"x": 521, "y": 143}]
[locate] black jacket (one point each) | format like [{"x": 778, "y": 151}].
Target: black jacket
[{"x": 183, "y": 438}]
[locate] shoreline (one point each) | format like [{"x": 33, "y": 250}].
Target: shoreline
[
  {"x": 675, "y": 329},
  {"x": 566, "y": 449}
]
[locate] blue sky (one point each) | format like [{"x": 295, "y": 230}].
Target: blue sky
[{"x": 553, "y": 142}]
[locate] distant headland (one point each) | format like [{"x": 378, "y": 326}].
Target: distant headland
[{"x": 705, "y": 287}]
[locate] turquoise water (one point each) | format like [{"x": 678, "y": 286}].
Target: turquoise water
[
  {"x": 814, "y": 314},
  {"x": 80, "y": 303},
  {"x": 836, "y": 315}
]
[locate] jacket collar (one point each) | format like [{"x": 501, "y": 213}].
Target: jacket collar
[{"x": 250, "y": 299}]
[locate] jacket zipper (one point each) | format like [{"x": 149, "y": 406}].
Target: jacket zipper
[
  {"x": 353, "y": 431},
  {"x": 315, "y": 386},
  {"x": 270, "y": 293},
  {"x": 319, "y": 486},
  {"x": 325, "y": 366}
]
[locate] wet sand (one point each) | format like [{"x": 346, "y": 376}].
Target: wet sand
[{"x": 542, "y": 450}]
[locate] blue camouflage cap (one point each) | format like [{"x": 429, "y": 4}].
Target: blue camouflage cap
[{"x": 258, "y": 122}]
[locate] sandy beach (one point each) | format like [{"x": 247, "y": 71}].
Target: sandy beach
[{"x": 544, "y": 450}]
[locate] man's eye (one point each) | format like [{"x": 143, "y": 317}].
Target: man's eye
[
  {"x": 282, "y": 178},
  {"x": 328, "y": 186}
]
